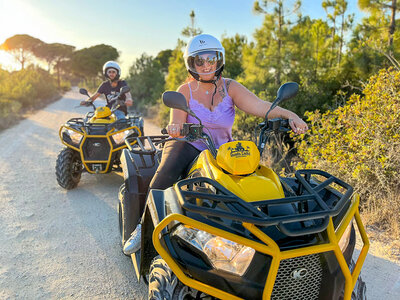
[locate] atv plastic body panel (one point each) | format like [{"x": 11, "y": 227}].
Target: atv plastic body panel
[{"x": 247, "y": 187}]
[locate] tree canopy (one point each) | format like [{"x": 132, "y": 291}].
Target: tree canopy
[
  {"x": 21, "y": 46},
  {"x": 88, "y": 62}
]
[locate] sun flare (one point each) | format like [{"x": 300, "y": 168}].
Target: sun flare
[{"x": 16, "y": 17}]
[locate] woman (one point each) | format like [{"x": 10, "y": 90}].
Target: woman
[
  {"x": 110, "y": 87},
  {"x": 213, "y": 99}
]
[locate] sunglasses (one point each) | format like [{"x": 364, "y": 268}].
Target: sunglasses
[{"x": 210, "y": 59}]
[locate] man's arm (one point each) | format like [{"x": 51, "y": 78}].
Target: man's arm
[{"x": 128, "y": 99}]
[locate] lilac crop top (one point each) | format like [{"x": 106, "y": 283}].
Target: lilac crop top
[{"x": 218, "y": 122}]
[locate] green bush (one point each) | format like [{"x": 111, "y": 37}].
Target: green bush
[
  {"x": 9, "y": 110},
  {"x": 28, "y": 86},
  {"x": 65, "y": 86},
  {"x": 91, "y": 85},
  {"x": 359, "y": 143},
  {"x": 162, "y": 113}
]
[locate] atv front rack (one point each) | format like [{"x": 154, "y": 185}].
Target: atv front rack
[
  {"x": 308, "y": 206},
  {"x": 80, "y": 123}
]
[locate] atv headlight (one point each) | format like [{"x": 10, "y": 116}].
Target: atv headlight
[
  {"x": 222, "y": 253},
  {"x": 76, "y": 137},
  {"x": 119, "y": 137},
  {"x": 345, "y": 239}
]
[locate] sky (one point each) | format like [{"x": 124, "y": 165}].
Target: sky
[{"x": 133, "y": 27}]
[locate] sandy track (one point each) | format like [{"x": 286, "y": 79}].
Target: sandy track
[{"x": 58, "y": 244}]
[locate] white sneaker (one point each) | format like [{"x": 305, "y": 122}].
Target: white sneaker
[{"x": 132, "y": 245}]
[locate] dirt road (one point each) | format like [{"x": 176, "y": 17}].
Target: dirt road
[{"x": 58, "y": 244}]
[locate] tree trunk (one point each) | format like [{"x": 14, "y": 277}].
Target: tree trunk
[
  {"x": 316, "y": 55},
  {"x": 341, "y": 41},
  {"x": 392, "y": 26},
  {"x": 280, "y": 24},
  {"x": 22, "y": 59},
  {"x": 333, "y": 43},
  {"x": 58, "y": 78}
]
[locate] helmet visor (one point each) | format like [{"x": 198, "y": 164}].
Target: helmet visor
[{"x": 205, "y": 62}]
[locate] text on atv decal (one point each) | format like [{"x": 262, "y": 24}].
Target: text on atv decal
[{"x": 239, "y": 151}]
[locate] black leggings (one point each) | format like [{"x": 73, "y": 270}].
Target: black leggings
[{"x": 176, "y": 157}]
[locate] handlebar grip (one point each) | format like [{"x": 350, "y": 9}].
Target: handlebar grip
[
  {"x": 86, "y": 103},
  {"x": 164, "y": 131}
]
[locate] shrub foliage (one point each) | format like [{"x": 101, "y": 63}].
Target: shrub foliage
[
  {"x": 359, "y": 143},
  {"x": 24, "y": 89}
]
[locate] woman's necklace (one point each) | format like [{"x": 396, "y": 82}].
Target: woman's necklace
[
  {"x": 198, "y": 85},
  {"x": 207, "y": 92}
]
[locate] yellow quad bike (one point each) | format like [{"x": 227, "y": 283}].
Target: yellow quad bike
[
  {"x": 94, "y": 142},
  {"x": 233, "y": 229}
]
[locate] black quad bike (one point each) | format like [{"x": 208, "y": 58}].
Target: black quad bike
[
  {"x": 231, "y": 228},
  {"x": 94, "y": 142}
]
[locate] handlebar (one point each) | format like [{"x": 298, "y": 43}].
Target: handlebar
[
  {"x": 269, "y": 128},
  {"x": 192, "y": 132}
]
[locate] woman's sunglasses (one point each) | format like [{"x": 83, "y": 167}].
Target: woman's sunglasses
[{"x": 200, "y": 61}]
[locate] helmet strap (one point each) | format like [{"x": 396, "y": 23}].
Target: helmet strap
[
  {"x": 215, "y": 91},
  {"x": 116, "y": 78},
  {"x": 213, "y": 81}
]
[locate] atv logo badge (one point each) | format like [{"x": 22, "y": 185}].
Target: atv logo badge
[
  {"x": 239, "y": 151},
  {"x": 299, "y": 273}
]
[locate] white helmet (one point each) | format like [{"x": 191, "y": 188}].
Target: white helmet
[
  {"x": 201, "y": 48},
  {"x": 112, "y": 65}
]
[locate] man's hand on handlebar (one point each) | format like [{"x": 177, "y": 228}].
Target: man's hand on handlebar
[{"x": 86, "y": 102}]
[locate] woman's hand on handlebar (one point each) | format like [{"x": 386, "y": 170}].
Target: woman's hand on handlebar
[
  {"x": 174, "y": 130},
  {"x": 298, "y": 125}
]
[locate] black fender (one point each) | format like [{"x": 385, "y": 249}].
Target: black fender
[
  {"x": 153, "y": 214},
  {"x": 138, "y": 171},
  {"x": 159, "y": 204}
]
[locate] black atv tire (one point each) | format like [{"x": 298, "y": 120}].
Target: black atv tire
[
  {"x": 126, "y": 226},
  {"x": 360, "y": 289},
  {"x": 163, "y": 284},
  {"x": 68, "y": 168}
]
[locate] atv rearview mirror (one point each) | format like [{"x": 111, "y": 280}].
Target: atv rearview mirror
[
  {"x": 125, "y": 89},
  {"x": 285, "y": 92},
  {"x": 177, "y": 100},
  {"x": 84, "y": 92}
]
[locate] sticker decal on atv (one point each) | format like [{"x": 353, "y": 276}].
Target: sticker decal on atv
[{"x": 239, "y": 151}]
